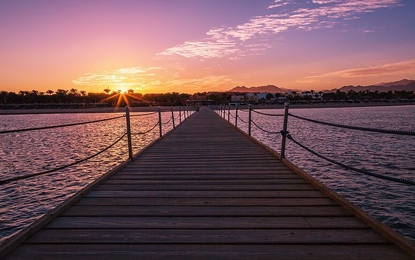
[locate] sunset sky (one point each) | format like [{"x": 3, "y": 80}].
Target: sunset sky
[{"x": 154, "y": 46}]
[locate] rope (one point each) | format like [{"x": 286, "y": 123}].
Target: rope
[
  {"x": 263, "y": 130},
  {"x": 240, "y": 119},
  {"x": 62, "y": 167},
  {"x": 57, "y": 126},
  {"x": 398, "y": 132},
  {"x": 266, "y": 114},
  {"x": 380, "y": 176},
  {"x": 148, "y": 131},
  {"x": 144, "y": 114},
  {"x": 167, "y": 122}
]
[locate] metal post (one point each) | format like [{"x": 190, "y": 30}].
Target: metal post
[
  {"x": 160, "y": 123},
  {"x": 284, "y": 131},
  {"x": 180, "y": 114},
  {"x": 172, "y": 117},
  {"x": 236, "y": 116},
  {"x": 130, "y": 147},
  {"x": 229, "y": 112},
  {"x": 249, "y": 120}
]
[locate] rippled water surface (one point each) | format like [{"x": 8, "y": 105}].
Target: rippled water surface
[
  {"x": 394, "y": 155},
  {"x": 22, "y": 153}
]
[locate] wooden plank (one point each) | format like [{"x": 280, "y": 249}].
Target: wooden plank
[
  {"x": 206, "y": 222},
  {"x": 182, "y": 176},
  {"x": 206, "y": 194},
  {"x": 205, "y": 182},
  {"x": 224, "y": 211},
  {"x": 246, "y": 251},
  {"x": 197, "y": 187},
  {"x": 202, "y": 236},
  {"x": 206, "y": 201}
]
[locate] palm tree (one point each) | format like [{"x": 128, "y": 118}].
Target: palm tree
[
  {"x": 50, "y": 92},
  {"x": 107, "y": 90}
]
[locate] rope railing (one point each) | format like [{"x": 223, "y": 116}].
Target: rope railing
[
  {"x": 167, "y": 122},
  {"x": 128, "y": 134},
  {"x": 146, "y": 132},
  {"x": 376, "y": 175},
  {"x": 262, "y": 129},
  {"x": 383, "y": 131},
  {"x": 58, "y": 126},
  {"x": 61, "y": 167},
  {"x": 243, "y": 121},
  {"x": 266, "y": 114},
  {"x": 286, "y": 135},
  {"x": 147, "y": 114}
]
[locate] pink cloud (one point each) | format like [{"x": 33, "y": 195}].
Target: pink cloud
[
  {"x": 396, "y": 68},
  {"x": 233, "y": 41}
]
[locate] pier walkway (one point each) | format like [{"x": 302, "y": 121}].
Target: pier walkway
[{"x": 206, "y": 191}]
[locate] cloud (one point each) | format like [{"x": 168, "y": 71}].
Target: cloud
[
  {"x": 396, "y": 68},
  {"x": 278, "y": 3},
  {"x": 150, "y": 80},
  {"x": 232, "y": 42}
]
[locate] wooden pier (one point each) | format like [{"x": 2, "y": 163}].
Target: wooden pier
[{"x": 206, "y": 191}]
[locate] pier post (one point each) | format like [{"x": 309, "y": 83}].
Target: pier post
[
  {"x": 249, "y": 119},
  {"x": 229, "y": 112},
  {"x": 160, "y": 123},
  {"x": 284, "y": 131},
  {"x": 236, "y": 116},
  {"x": 180, "y": 114},
  {"x": 130, "y": 147},
  {"x": 172, "y": 117}
]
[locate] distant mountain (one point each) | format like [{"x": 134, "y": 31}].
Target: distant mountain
[
  {"x": 260, "y": 89},
  {"x": 405, "y": 84}
]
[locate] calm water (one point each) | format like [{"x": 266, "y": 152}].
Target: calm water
[
  {"x": 24, "y": 201},
  {"x": 394, "y": 155}
]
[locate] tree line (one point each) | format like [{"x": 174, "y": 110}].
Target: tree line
[{"x": 106, "y": 98}]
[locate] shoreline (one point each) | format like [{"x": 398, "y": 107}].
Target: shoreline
[{"x": 176, "y": 108}]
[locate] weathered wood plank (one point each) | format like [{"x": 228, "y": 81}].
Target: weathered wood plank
[
  {"x": 193, "y": 176},
  {"x": 225, "y": 211},
  {"x": 205, "y": 182},
  {"x": 198, "y": 187},
  {"x": 207, "y": 194},
  {"x": 249, "y": 252},
  {"x": 206, "y": 201},
  {"x": 201, "y": 236},
  {"x": 206, "y": 222}
]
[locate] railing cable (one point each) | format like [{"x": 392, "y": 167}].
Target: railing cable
[
  {"x": 152, "y": 113},
  {"x": 243, "y": 121},
  {"x": 262, "y": 129},
  {"x": 62, "y": 167},
  {"x": 384, "y": 131},
  {"x": 148, "y": 131},
  {"x": 57, "y": 126},
  {"x": 380, "y": 176},
  {"x": 266, "y": 114}
]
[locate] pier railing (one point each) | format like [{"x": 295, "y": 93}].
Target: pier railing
[
  {"x": 233, "y": 115},
  {"x": 172, "y": 117}
]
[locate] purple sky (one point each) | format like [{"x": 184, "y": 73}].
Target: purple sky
[{"x": 204, "y": 45}]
